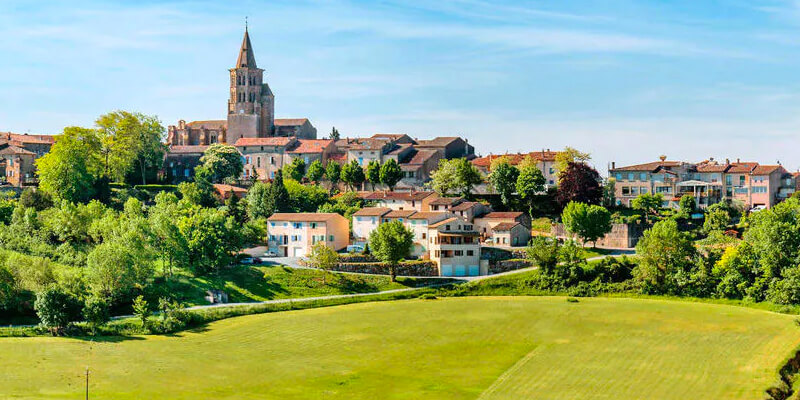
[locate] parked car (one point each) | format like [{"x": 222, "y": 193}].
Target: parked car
[
  {"x": 250, "y": 260},
  {"x": 270, "y": 253},
  {"x": 758, "y": 208},
  {"x": 355, "y": 248}
]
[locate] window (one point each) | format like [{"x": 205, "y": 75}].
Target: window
[
  {"x": 618, "y": 175},
  {"x": 458, "y": 253},
  {"x": 467, "y": 227},
  {"x": 470, "y": 252},
  {"x": 643, "y": 176},
  {"x": 313, "y": 225},
  {"x": 643, "y": 190},
  {"x": 298, "y": 225},
  {"x": 728, "y": 180},
  {"x": 424, "y": 235},
  {"x": 330, "y": 238},
  {"x": 741, "y": 179},
  {"x": 630, "y": 176},
  {"x": 760, "y": 189},
  {"x": 634, "y": 190},
  {"x": 664, "y": 189},
  {"x": 447, "y": 227},
  {"x": 258, "y": 162},
  {"x": 626, "y": 190}
]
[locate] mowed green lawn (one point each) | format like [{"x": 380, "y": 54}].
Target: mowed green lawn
[{"x": 456, "y": 348}]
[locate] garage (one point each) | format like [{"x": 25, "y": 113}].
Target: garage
[
  {"x": 460, "y": 270},
  {"x": 474, "y": 270},
  {"x": 298, "y": 252},
  {"x": 447, "y": 270}
]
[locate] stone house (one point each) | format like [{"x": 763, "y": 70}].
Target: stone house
[
  {"x": 510, "y": 234},
  {"x": 418, "y": 201},
  {"x": 486, "y": 223}
]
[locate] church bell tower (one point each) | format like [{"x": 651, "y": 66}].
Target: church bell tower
[{"x": 251, "y": 106}]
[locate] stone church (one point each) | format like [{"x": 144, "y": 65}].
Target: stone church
[{"x": 251, "y": 111}]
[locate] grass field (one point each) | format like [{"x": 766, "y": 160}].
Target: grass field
[
  {"x": 259, "y": 283},
  {"x": 455, "y": 348}
]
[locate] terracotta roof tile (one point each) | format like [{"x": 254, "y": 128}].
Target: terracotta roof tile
[
  {"x": 766, "y": 169},
  {"x": 303, "y": 217},
  {"x": 505, "y": 226},
  {"x": 27, "y": 138},
  {"x": 187, "y": 149},
  {"x": 290, "y": 121},
  {"x": 372, "y": 211},
  {"x": 210, "y": 124},
  {"x": 400, "y": 213},
  {"x": 649, "y": 167},
  {"x": 16, "y": 150},
  {"x": 267, "y": 141},
  {"x": 311, "y": 146},
  {"x": 407, "y": 196},
  {"x": 516, "y": 158},
  {"x": 430, "y": 215},
  {"x": 464, "y": 206},
  {"x": 503, "y": 215},
  {"x": 447, "y": 201}
]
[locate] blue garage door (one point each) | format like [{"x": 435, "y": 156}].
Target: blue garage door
[
  {"x": 461, "y": 270},
  {"x": 474, "y": 270},
  {"x": 447, "y": 270}
]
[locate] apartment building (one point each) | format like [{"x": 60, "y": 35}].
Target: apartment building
[
  {"x": 293, "y": 234},
  {"x": 708, "y": 181},
  {"x": 454, "y": 245},
  {"x": 419, "y": 224},
  {"x": 419, "y": 201},
  {"x": 367, "y": 220}
]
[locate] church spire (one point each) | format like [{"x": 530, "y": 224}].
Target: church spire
[{"x": 246, "y": 58}]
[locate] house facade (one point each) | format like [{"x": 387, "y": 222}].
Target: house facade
[
  {"x": 293, "y": 234},
  {"x": 709, "y": 181},
  {"x": 454, "y": 245}
]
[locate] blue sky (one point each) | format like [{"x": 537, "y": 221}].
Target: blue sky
[{"x": 625, "y": 80}]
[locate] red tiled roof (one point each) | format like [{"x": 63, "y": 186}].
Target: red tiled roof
[
  {"x": 407, "y": 196},
  {"x": 391, "y": 136},
  {"x": 650, "y": 167},
  {"x": 210, "y": 124},
  {"x": 447, "y": 201},
  {"x": 707, "y": 167},
  {"x": 429, "y": 215},
  {"x": 303, "y": 217},
  {"x": 766, "y": 169},
  {"x": 372, "y": 211},
  {"x": 503, "y": 215},
  {"x": 421, "y": 157},
  {"x": 400, "y": 213},
  {"x": 15, "y": 150},
  {"x": 267, "y": 141},
  {"x": 505, "y": 226},
  {"x": 224, "y": 189},
  {"x": 515, "y": 159},
  {"x": 290, "y": 121},
  {"x": 742, "y": 167},
  {"x": 27, "y": 138},
  {"x": 464, "y": 206},
  {"x": 187, "y": 149},
  {"x": 440, "y": 141},
  {"x": 311, "y": 146}
]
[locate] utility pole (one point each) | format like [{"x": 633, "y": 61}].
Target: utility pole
[{"x": 87, "y": 383}]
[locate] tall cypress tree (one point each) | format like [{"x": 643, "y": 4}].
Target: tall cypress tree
[{"x": 279, "y": 194}]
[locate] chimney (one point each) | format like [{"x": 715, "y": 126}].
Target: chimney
[
  {"x": 613, "y": 165},
  {"x": 727, "y": 161},
  {"x": 738, "y": 160},
  {"x": 662, "y": 158}
]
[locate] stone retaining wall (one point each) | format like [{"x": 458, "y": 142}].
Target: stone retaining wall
[
  {"x": 508, "y": 265},
  {"x": 416, "y": 268}
]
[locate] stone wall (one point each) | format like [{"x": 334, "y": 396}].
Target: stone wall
[
  {"x": 621, "y": 235},
  {"x": 508, "y": 265},
  {"x": 411, "y": 268}
]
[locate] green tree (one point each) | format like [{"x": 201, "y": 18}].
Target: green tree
[
  {"x": 372, "y": 173},
  {"x": 279, "y": 195},
  {"x": 305, "y": 198},
  {"x": 114, "y": 268},
  {"x": 200, "y": 192},
  {"x": 295, "y": 170},
  {"x": 322, "y": 257},
  {"x": 687, "y": 205},
  {"x": 167, "y": 238},
  {"x": 334, "y": 133},
  {"x": 130, "y": 141},
  {"x": 36, "y": 199},
  {"x": 96, "y": 312},
  {"x": 212, "y": 240},
  {"x": 716, "y": 219},
  {"x": 456, "y": 175},
  {"x": 390, "y": 173},
  {"x": 315, "y": 172},
  {"x": 54, "y": 308},
  {"x": 589, "y": 222},
  {"x": 70, "y": 169},
  {"x": 352, "y": 174},
  {"x": 530, "y": 183},
  {"x": 570, "y": 155},
  {"x": 543, "y": 252},
  {"x": 333, "y": 173},
  {"x": 503, "y": 178},
  {"x": 609, "y": 192},
  {"x": 648, "y": 204},
  {"x": 235, "y": 208},
  {"x": 141, "y": 309},
  {"x": 259, "y": 202},
  {"x": 390, "y": 243},
  {"x": 220, "y": 162},
  {"x": 664, "y": 254}
]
